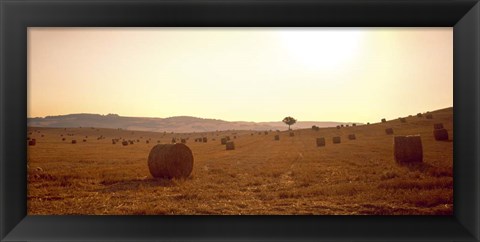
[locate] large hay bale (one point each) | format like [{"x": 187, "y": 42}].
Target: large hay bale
[
  {"x": 429, "y": 116},
  {"x": 223, "y": 141},
  {"x": 277, "y": 137},
  {"x": 403, "y": 120},
  {"x": 292, "y": 134},
  {"x": 440, "y": 134},
  {"x": 336, "y": 140},
  {"x": 124, "y": 143},
  {"x": 384, "y": 120},
  {"x": 352, "y": 137},
  {"x": 170, "y": 161},
  {"x": 438, "y": 126},
  {"x": 320, "y": 141},
  {"x": 74, "y": 141},
  {"x": 408, "y": 149},
  {"x": 389, "y": 130},
  {"x": 230, "y": 145}
]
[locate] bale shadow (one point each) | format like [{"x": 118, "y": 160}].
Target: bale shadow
[
  {"x": 420, "y": 167},
  {"x": 135, "y": 184}
]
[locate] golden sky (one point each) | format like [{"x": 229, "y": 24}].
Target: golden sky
[{"x": 241, "y": 74}]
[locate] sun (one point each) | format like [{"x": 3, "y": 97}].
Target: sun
[{"x": 321, "y": 48}]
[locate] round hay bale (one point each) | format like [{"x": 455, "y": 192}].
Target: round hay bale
[
  {"x": 235, "y": 137},
  {"x": 346, "y": 125},
  {"x": 158, "y": 141},
  {"x": 147, "y": 142},
  {"x": 32, "y": 142},
  {"x": 277, "y": 137},
  {"x": 74, "y": 141},
  {"x": 174, "y": 141},
  {"x": 389, "y": 130},
  {"x": 266, "y": 133},
  {"x": 292, "y": 134},
  {"x": 170, "y": 161},
  {"x": 63, "y": 139},
  {"x": 230, "y": 145},
  {"x": 338, "y": 126},
  {"x": 419, "y": 115},
  {"x": 354, "y": 125},
  {"x": 183, "y": 141},
  {"x": 336, "y": 140},
  {"x": 130, "y": 142},
  {"x": 352, "y": 137},
  {"x": 84, "y": 140},
  {"x": 403, "y": 120},
  {"x": 440, "y": 134},
  {"x": 438, "y": 126},
  {"x": 384, "y": 120},
  {"x": 204, "y": 139},
  {"x": 320, "y": 141},
  {"x": 341, "y": 125},
  {"x": 223, "y": 141},
  {"x": 408, "y": 149},
  {"x": 429, "y": 116},
  {"x": 113, "y": 142},
  {"x": 124, "y": 143},
  {"x": 228, "y": 138}
]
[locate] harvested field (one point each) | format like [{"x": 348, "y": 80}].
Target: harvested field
[{"x": 288, "y": 176}]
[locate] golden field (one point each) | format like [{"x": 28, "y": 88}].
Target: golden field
[{"x": 261, "y": 176}]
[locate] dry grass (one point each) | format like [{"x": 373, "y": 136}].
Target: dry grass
[{"x": 261, "y": 176}]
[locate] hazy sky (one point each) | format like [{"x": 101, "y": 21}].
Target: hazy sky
[{"x": 241, "y": 74}]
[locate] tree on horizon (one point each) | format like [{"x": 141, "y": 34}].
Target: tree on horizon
[{"x": 289, "y": 121}]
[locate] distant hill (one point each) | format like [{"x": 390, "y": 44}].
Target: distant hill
[{"x": 172, "y": 124}]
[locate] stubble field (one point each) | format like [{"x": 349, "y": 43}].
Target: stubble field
[{"x": 261, "y": 176}]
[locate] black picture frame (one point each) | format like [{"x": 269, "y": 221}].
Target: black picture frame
[{"x": 17, "y": 15}]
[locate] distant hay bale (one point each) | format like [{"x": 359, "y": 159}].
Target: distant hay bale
[
  {"x": 277, "y": 137},
  {"x": 174, "y": 141},
  {"x": 204, "y": 139},
  {"x": 84, "y": 140},
  {"x": 227, "y": 137},
  {"x": 316, "y": 128},
  {"x": 138, "y": 140},
  {"x": 440, "y": 134},
  {"x": 338, "y": 126},
  {"x": 230, "y": 145},
  {"x": 124, "y": 143},
  {"x": 341, "y": 125},
  {"x": 63, "y": 139},
  {"x": 223, "y": 141},
  {"x": 419, "y": 115},
  {"x": 354, "y": 124},
  {"x": 408, "y": 149},
  {"x": 336, "y": 140},
  {"x": 265, "y": 132},
  {"x": 32, "y": 142},
  {"x": 320, "y": 141},
  {"x": 352, "y": 137},
  {"x": 183, "y": 141},
  {"x": 74, "y": 141},
  {"x": 234, "y": 137},
  {"x": 368, "y": 123},
  {"x": 292, "y": 134},
  {"x": 346, "y": 125},
  {"x": 438, "y": 126},
  {"x": 384, "y": 120},
  {"x": 158, "y": 141},
  {"x": 146, "y": 141},
  {"x": 130, "y": 142},
  {"x": 403, "y": 120},
  {"x": 113, "y": 142},
  {"x": 429, "y": 116},
  {"x": 389, "y": 130},
  {"x": 170, "y": 161}
]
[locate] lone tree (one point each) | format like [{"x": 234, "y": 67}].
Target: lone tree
[{"x": 289, "y": 121}]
